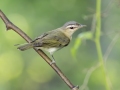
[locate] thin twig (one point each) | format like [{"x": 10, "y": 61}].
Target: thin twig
[
  {"x": 107, "y": 9},
  {"x": 87, "y": 77},
  {"x": 107, "y": 53},
  {"x": 10, "y": 25},
  {"x": 110, "y": 47},
  {"x": 93, "y": 26}
]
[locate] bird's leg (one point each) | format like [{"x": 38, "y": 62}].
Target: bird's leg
[{"x": 53, "y": 60}]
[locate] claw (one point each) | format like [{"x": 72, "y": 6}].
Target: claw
[
  {"x": 75, "y": 88},
  {"x": 53, "y": 62}
]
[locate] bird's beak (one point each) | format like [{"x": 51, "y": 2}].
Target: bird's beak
[{"x": 83, "y": 25}]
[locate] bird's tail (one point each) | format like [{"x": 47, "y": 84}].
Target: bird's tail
[{"x": 25, "y": 46}]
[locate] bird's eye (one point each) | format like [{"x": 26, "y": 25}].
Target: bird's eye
[{"x": 71, "y": 27}]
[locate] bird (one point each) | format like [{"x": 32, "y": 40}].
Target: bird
[{"x": 53, "y": 40}]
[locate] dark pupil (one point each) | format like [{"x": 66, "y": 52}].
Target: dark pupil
[{"x": 71, "y": 27}]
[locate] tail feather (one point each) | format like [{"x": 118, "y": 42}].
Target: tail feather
[{"x": 25, "y": 46}]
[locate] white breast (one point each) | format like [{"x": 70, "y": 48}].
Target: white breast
[{"x": 52, "y": 50}]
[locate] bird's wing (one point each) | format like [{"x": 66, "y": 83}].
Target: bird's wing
[
  {"x": 52, "y": 39},
  {"x": 40, "y": 37}
]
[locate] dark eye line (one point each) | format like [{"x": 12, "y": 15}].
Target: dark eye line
[{"x": 71, "y": 27}]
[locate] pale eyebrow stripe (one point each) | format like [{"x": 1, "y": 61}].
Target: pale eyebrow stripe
[{"x": 71, "y": 26}]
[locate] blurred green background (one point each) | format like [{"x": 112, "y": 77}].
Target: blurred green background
[{"x": 28, "y": 71}]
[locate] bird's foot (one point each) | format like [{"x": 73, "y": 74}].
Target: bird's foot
[
  {"x": 53, "y": 62},
  {"x": 75, "y": 88}
]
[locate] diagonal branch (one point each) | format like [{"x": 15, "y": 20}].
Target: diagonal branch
[
  {"x": 110, "y": 47},
  {"x": 10, "y": 25},
  {"x": 87, "y": 77}
]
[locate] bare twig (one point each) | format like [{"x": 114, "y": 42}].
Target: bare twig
[
  {"x": 10, "y": 25},
  {"x": 110, "y": 47},
  {"x": 90, "y": 71},
  {"x": 93, "y": 23},
  {"x": 107, "y": 53},
  {"x": 109, "y": 6}
]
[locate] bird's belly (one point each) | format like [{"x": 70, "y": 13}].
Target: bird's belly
[{"x": 52, "y": 50}]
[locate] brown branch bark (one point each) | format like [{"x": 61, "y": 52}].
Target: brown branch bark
[{"x": 10, "y": 25}]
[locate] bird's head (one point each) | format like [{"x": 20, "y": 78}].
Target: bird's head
[{"x": 70, "y": 27}]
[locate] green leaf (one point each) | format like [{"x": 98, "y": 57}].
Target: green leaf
[
  {"x": 78, "y": 41},
  {"x": 86, "y": 35}
]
